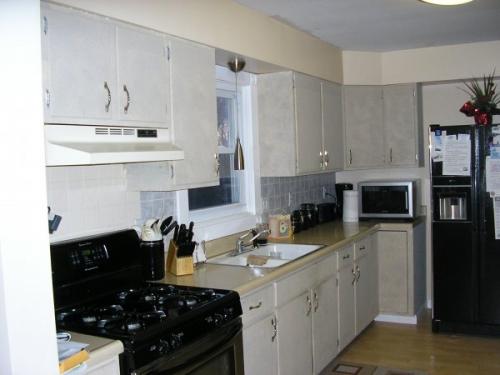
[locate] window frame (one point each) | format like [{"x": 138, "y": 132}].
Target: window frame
[{"x": 215, "y": 222}]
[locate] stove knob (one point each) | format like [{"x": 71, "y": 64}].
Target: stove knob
[
  {"x": 228, "y": 313},
  {"x": 163, "y": 347},
  {"x": 218, "y": 319},
  {"x": 176, "y": 340}
]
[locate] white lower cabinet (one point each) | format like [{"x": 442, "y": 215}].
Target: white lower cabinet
[
  {"x": 295, "y": 335},
  {"x": 346, "y": 314},
  {"x": 298, "y": 324},
  {"x": 108, "y": 367},
  {"x": 307, "y": 318},
  {"x": 260, "y": 345},
  {"x": 366, "y": 285},
  {"x": 324, "y": 320}
]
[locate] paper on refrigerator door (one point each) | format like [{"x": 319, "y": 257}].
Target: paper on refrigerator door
[
  {"x": 493, "y": 175},
  {"x": 456, "y": 155},
  {"x": 496, "y": 216}
]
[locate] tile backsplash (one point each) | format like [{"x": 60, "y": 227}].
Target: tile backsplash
[
  {"x": 285, "y": 194},
  {"x": 91, "y": 199},
  {"x": 157, "y": 204}
]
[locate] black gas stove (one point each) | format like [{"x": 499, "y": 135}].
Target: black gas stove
[{"x": 98, "y": 290}]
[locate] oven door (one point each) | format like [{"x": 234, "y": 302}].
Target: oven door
[{"x": 218, "y": 353}]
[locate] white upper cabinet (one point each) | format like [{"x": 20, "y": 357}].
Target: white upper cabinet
[
  {"x": 300, "y": 126},
  {"x": 333, "y": 127},
  {"x": 401, "y": 127},
  {"x": 79, "y": 67},
  {"x": 101, "y": 72},
  {"x": 194, "y": 116},
  {"x": 363, "y": 116},
  {"x": 194, "y": 124},
  {"x": 381, "y": 126},
  {"x": 143, "y": 76},
  {"x": 308, "y": 124}
]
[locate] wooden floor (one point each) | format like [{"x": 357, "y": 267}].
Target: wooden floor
[{"x": 417, "y": 348}]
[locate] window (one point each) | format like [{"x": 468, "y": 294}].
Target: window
[{"x": 230, "y": 191}]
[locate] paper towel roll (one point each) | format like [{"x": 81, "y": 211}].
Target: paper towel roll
[{"x": 350, "y": 213}]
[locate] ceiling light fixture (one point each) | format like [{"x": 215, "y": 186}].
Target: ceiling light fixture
[
  {"x": 236, "y": 65},
  {"x": 447, "y": 2}
]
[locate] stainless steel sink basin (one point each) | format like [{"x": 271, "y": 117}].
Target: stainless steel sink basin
[{"x": 274, "y": 255}]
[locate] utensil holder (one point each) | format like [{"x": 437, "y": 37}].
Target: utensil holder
[{"x": 178, "y": 265}]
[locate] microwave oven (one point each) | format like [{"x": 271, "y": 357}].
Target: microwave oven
[{"x": 387, "y": 199}]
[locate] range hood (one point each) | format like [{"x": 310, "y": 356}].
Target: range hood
[{"x": 87, "y": 145}]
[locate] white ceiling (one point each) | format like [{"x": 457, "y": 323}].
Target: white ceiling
[{"x": 387, "y": 25}]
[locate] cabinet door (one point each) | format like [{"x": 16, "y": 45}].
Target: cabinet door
[
  {"x": 366, "y": 268},
  {"x": 333, "y": 133},
  {"x": 79, "y": 67},
  {"x": 308, "y": 126},
  {"x": 194, "y": 113},
  {"x": 363, "y": 297},
  {"x": 325, "y": 323},
  {"x": 393, "y": 271},
  {"x": 143, "y": 75},
  {"x": 400, "y": 124},
  {"x": 276, "y": 124},
  {"x": 260, "y": 349},
  {"x": 363, "y": 120},
  {"x": 347, "y": 315},
  {"x": 295, "y": 336}
]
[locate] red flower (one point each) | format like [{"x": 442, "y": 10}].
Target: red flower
[
  {"x": 468, "y": 109},
  {"x": 481, "y": 117}
]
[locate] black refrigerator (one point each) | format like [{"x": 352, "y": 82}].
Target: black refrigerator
[{"x": 465, "y": 248}]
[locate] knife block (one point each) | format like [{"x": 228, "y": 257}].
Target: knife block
[{"x": 178, "y": 265}]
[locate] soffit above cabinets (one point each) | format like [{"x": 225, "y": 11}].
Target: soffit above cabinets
[{"x": 386, "y": 25}]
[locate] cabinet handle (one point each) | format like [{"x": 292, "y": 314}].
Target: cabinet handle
[
  {"x": 217, "y": 164},
  {"x": 362, "y": 248},
  {"x": 125, "y": 109},
  {"x": 257, "y": 306},
  {"x": 108, "y": 92},
  {"x": 309, "y": 306},
  {"x": 327, "y": 159},
  {"x": 350, "y": 156},
  {"x": 354, "y": 276},
  {"x": 316, "y": 301},
  {"x": 47, "y": 98},
  {"x": 274, "y": 324},
  {"x": 347, "y": 256},
  {"x": 359, "y": 273},
  {"x": 321, "y": 159},
  {"x": 390, "y": 155},
  {"x": 171, "y": 171}
]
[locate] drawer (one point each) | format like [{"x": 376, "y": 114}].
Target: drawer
[
  {"x": 362, "y": 246},
  {"x": 346, "y": 257},
  {"x": 257, "y": 304}
]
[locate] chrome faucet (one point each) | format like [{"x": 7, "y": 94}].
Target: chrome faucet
[{"x": 240, "y": 244}]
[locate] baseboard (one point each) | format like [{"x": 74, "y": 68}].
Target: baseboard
[{"x": 393, "y": 318}]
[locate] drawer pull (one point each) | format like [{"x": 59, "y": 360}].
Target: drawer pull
[
  {"x": 257, "y": 306},
  {"x": 362, "y": 248},
  {"x": 347, "y": 256}
]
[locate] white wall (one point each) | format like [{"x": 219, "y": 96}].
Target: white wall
[
  {"x": 362, "y": 68},
  {"x": 27, "y": 328},
  {"x": 91, "y": 199}
]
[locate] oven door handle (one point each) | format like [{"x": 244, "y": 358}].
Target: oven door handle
[{"x": 186, "y": 359}]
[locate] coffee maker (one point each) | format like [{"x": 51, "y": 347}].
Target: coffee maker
[{"x": 339, "y": 191}]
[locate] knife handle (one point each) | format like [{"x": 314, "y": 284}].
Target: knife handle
[{"x": 176, "y": 232}]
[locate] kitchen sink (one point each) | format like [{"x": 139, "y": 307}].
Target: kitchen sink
[{"x": 271, "y": 255}]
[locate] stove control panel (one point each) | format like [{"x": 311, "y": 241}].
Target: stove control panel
[{"x": 89, "y": 256}]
